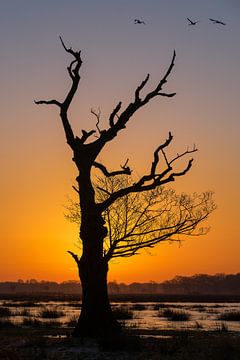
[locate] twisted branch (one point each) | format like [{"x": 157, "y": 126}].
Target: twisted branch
[
  {"x": 153, "y": 179},
  {"x": 125, "y": 169}
]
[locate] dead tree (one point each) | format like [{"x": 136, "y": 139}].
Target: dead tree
[{"x": 96, "y": 317}]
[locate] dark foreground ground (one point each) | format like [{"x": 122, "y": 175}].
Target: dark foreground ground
[{"x": 56, "y": 344}]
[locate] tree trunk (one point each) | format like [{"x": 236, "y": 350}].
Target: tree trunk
[{"x": 96, "y": 318}]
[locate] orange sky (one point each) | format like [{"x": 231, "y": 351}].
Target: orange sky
[{"x": 36, "y": 168}]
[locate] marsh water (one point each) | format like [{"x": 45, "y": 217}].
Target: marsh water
[{"x": 147, "y": 315}]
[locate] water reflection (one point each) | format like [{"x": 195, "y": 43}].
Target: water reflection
[{"x": 149, "y": 315}]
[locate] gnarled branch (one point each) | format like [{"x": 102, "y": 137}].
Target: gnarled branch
[
  {"x": 98, "y": 115},
  {"x": 129, "y": 111},
  {"x": 125, "y": 169},
  {"x": 48, "y": 102},
  {"x": 73, "y": 71},
  {"x": 114, "y": 113},
  {"x": 153, "y": 179},
  {"x": 75, "y": 257}
]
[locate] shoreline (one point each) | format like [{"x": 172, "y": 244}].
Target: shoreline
[{"x": 125, "y": 297}]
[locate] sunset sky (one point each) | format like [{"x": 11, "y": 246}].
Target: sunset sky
[{"x": 37, "y": 173}]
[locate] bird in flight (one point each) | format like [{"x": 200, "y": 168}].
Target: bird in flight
[
  {"x": 192, "y": 22},
  {"x": 214, "y": 21},
  {"x": 137, "y": 21}
]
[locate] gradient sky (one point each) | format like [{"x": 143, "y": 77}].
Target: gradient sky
[{"x": 36, "y": 168}]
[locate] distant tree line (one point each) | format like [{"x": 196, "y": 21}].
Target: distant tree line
[{"x": 199, "y": 284}]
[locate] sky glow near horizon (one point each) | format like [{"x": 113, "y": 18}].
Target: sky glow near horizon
[{"x": 37, "y": 173}]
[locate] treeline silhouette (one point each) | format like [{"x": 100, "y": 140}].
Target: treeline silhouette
[{"x": 199, "y": 284}]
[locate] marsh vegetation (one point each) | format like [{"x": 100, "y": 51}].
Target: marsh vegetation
[
  {"x": 142, "y": 315},
  {"x": 152, "y": 330}
]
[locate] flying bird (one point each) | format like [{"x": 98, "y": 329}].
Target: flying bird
[
  {"x": 192, "y": 22},
  {"x": 214, "y": 21},
  {"x": 137, "y": 21}
]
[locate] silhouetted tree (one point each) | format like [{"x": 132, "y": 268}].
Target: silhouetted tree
[
  {"x": 96, "y": 317},
  {"x": 143, "y": 219}
]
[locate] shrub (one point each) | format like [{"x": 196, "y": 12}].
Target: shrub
[
  {"x": 5, "y": 312},
  {"x": 159, "y": 306},
  {"x": 174, "y": 315},
  {"x": 51, "y": 314},
  {"x": 72, "y": 322},
  {"x": 198, "y": 307},
  {"x": 221, "y": 327},
  {"x": 121, "y": 313},
  {"x": 230, "y": 316},
  {"x": 138, "y": 307},
  {"x": 198, "y": 325},
  {"x": 31, "y": 322},
  {"x": 23, "y": 312}
]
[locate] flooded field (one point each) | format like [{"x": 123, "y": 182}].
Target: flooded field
[{"x": 147, "y": 315}]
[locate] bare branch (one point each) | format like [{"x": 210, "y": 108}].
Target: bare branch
[
  {"x": 157, "y": 90},
  {"x": 70, "y": 69},
  {"x": 156, "y": 153},
  {"x": 76, "y": 189},
  {"x": 103, "y": 190},
  {"x": 76, "y": 54},
  {"x": 114, "y": 113},
  {"x": 98, "y": 115},
  {"x": 73, "y": 71},
  {"x": 142, "y": 220},
  {"x": 153, "y": 179},
  {"x": 75, "y": 257},
  {"x": 140, "y": 87},
  {"x": 125, "y": 164},
  {"x": 125, "y": 169},
  {"x": 47, "y": 102},
  {"x": 124, "y": 117},
  {"x": 166, "y": 94},
  {"x": 86, "y": 135},
  {"x": 183, "y": 154}
]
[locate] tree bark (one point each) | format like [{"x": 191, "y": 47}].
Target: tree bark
[{"x": 96, "y": 318}]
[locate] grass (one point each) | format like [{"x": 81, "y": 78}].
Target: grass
[
  {"x": 31, "y": 322},
  {"x": 198, "y": 325},
  {"x": 198, "y": 307},
  {"x": 174, "y": 315},
  {"x": 51, "y": 314},
  {"x": 23, "y": 312},
  {"x": 159, "y": 306},
  {"x": 230, "y": 316},
  {"x": 221, "y": 327},
  {"x": 72, "y": 322},
  {"x": 121, "y": 313},
  {"x": 138, "y": 307},
  {"x": 28, "y": 322},
  {"x": 5, "y": 312},
  {"x": 74, "y": 304}
]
